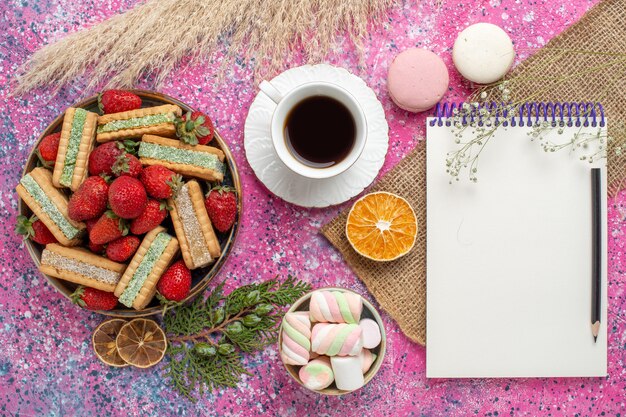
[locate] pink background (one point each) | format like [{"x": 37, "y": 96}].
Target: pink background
[{"x": 46, "y": 363}]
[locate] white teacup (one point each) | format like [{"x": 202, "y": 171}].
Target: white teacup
[{"x": 286, "y": 101}]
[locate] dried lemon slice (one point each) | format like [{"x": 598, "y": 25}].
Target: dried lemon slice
[
  {"x": 103, "y": 341},
  {"x": 141, "y": 343},
  {"x": 381, "y": 226}
]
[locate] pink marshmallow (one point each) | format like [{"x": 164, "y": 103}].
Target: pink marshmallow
[{"x": 371, "y": 333}]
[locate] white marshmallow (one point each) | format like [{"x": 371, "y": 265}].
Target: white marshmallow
[
  {"x": 367, "y": 360},
  {"x": 370, "y": 333},
  {"x": 348, "y": 373}
]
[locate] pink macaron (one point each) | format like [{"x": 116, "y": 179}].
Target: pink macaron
[{"x": 417, "y": 79}]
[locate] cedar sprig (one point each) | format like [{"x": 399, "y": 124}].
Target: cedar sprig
[{"x": 207, "y": 337}]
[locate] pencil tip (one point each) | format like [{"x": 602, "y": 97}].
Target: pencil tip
[
  {"x": 595, "y": 329},
  {"x": 595, "y": 339}
]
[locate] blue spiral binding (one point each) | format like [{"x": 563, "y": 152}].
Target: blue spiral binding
[{"x": 557, "y": 114}]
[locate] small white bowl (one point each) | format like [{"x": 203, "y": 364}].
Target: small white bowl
[{"x": 302, "y": 304}]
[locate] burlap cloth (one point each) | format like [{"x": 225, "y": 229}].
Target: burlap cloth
[{"x": 400, "y": 286}]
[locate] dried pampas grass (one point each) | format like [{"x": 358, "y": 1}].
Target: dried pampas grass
[{"x": 152, "y": 38}]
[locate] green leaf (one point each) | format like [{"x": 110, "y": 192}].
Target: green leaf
[
  {"x": 226, "y": 349},
  {"x": 218, "y": 316},
  {"x": 130, "y": 146},
  {"x": 121, "y": 165},
  {"x": 203, "y": 131},
  {"x": 263, "y": 309},
  {"x": 287, "y": 292},
  {"x": 24, "y": 226},
  {"x": 164, "y": 206},
  {"x": 234, "y": 327},
  {"x": 253, "y": 297},
  {"x": 251, "y": 320},
  {"x": 204, "y": 349},
  {"x": 246, "y": 320}
]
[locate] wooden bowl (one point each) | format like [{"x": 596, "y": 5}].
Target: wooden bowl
[
  {"x": 201, "y": 276},
  {"x": 302, "y": 304}
]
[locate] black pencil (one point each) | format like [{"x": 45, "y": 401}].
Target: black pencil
[{"x": 596, "y": 273}]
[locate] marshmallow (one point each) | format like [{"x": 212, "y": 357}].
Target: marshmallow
[
  {"x": 367, "y": 359},
  {"x": 348, "y": 373},
  {"x": 336, "y": 339},
  {"x": 335, "y": 307},
  {"x": 370, "y": 334},
  {"x": 296, "y": 338},
  {"x": 483, "y": 53},
  {"x": 317, "y": 374}
]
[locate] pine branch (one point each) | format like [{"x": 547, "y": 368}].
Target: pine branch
[{"x": 207, "y": 337}]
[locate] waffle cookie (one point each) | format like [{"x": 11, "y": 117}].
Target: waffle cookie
[
  {"x": 138, "y": 284},
  {"x": 78, "y": 136},
  {"x": 50, "y": 206},
  {"x": 134, "y": 124},
  {"x": 194, "y": 230},
  {"x": 200, "y": 161},
  {"x": 80, "y": 266}
]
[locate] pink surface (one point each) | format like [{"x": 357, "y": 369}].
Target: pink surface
[{"x": 46, "y": 363}]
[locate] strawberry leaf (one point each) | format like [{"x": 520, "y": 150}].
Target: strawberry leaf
[
  {"x": 203, "y": 131},
  {"x": 24, "y": 226},
  {"x": 77, "y": 295},
  {"x": 121, "y": 164},
  {"x": 175, "y": 183},
  {"x": 164, "y": 206},
  {"x": 130, "y": 146},
  {"x": 123, "y": 226},
  {"x": 100, "y": 105}
]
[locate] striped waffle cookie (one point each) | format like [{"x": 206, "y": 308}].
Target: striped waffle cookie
[
  {"x": 138, "y": 284},
  {"x": 80, "y": 266},
  {"x": 50, "y": 206},
  {"x": 197, "y": 239},
  {"x": 199, "y": 161},
  {"x": 134, "y": 124},
  {"x": 78, "y": 137}
]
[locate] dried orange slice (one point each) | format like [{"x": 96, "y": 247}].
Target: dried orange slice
[
  {"x": 103, "y": 341},
  {"x": 141, "y": 342},
  {"x": 381, "y": 226}
]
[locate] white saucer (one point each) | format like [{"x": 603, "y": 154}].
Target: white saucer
[{"x": 293, "y": 188}]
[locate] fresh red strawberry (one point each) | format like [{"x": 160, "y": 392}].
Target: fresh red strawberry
[
  {"x": 152, "y": 216},
  {"x": 90, "y": 200},
  {"x": 103, "y": 157},
  {"x": 127, "y": 197},
  {"x": 126, "y": 164},
  {"x": 116, "y": 101},
  {"x": 95, "y": 248},
  {"x": 221, "y": 204},
  {"x": 90, "y": 224},
  {"x": 194, "y": 128},
  {"x": 108, "y": 228},
  {"x": 49, "y": 147},
  {"x": 34, "y": 229},
  {"x": 122, "y": 249},
  {"x": 175, "y": 283},
  {"x": 93, "y": 299},
  {"x": 160, "y": 182}
]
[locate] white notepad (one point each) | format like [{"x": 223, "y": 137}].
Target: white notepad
[{"x": 509, "y": 261}]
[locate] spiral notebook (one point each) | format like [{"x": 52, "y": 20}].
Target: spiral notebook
[{"x": 509, "y": 257}]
